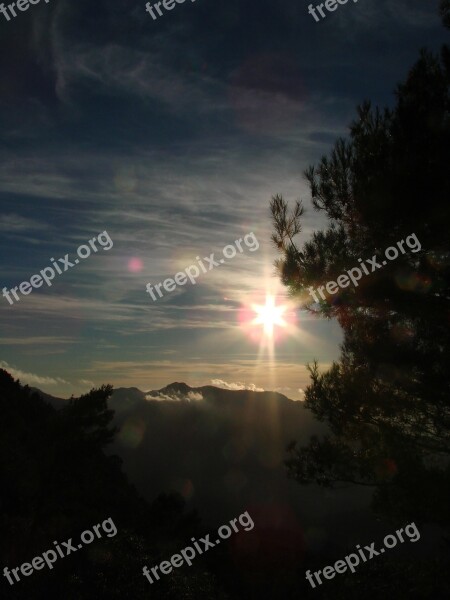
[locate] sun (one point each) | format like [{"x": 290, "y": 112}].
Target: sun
[
  {"x": 267, "y": 320},
  {"x": 269, "y": 315}
]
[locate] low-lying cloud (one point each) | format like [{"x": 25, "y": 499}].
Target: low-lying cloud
[
  {"x": 189, "y": 397},
  {"x": 236, "y": 386},
  {"x": 31, "y": 378}
]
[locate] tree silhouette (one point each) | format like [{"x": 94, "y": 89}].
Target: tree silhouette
[
  {"x": 386, "y": 400},
  {"x": 56, "y": 482},
  {"x": 445, "y": 12}
]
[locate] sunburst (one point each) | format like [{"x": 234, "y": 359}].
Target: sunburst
[{"x": 269, "y": 315}]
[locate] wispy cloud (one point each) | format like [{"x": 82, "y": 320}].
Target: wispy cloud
[
  {"x": 32, "y": 378},
  {"x": 87, "y": 382},
  {"x": 37, "y": 341},
  {"x": 14, "y": 223}
]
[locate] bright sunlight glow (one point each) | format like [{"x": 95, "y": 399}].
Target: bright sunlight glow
[{"x": 269, "y": 315}]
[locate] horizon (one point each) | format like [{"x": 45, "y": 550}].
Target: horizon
[{"x": 217, "y": 385}]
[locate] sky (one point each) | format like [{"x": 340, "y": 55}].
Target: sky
[{"x": 172, "y": 135}]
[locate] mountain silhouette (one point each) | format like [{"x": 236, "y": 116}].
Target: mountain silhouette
[
  {"x": 223, "y": 451},
  {"x": 211, "y": 393}
]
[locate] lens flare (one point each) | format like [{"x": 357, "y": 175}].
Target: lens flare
[{"x": 135, "y": 265}]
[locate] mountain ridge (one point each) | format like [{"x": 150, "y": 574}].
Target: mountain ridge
[{"x": 181, "y": 388}]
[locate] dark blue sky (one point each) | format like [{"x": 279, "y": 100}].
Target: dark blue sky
[{"x": 172, "y": 135}]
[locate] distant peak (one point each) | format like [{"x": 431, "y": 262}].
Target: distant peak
[{"x": 176, "y": 387}]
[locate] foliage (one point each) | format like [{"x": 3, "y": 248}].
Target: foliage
[{"x": 386, "y": 400}]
